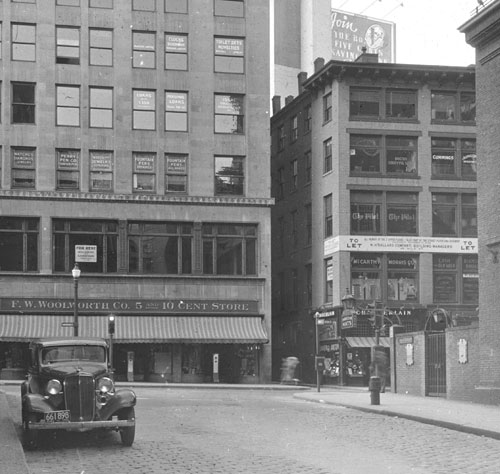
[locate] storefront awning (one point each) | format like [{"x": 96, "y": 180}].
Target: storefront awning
[
  {"x": 143, "y": 329},
  {"x": 367, "y": 341}
]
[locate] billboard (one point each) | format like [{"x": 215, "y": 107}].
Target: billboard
[{"x": 352, "y": 32}]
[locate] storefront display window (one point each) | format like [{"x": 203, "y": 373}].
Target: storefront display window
[
  {"x": 366, "y": 276},
  {"x": 456, "y": 279},
  {"x": 191, "y": 359},
  {"x": 249, "y": 361},
  {"x": 402, "y": 278}
]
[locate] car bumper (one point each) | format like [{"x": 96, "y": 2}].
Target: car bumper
[{"x": 82, "y": 425}]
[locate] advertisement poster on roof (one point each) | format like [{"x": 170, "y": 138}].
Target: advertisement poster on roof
[{"x": 351, "y": 33}]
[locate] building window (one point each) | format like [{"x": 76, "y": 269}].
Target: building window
[
  {"x": 18, "y": 244},
  {"x": 23, "y": 42},
  {"x": 68, "y": 106},
  {"x": 308, "y": 213},
  {"x": 308, "y": 167},
  {"x": 144, "y": 172},
  {"x": 307, "y": 119},
  {"x": 454, "y": 158},
  {"x": 176, "y": 111},
  {"x": 102, "y": 234},
  {"x": 294, "y": 129},
  {"x": 100, "y": 47},
  {"x": 229, "y": 8},
  {"x": 101, "y": 171},
  {"x": 176, "y": 52},
  {"x": 376, "y": 103},
  {"x": 144, "y": 5},
  {"x": 328, "y": 280},
  {"x": 453, "y": 106},
  {"x": 160, "y": 248},
  {"x": 101, "y": 107},
  {"x": 68, "y": 45},
  {"x": 69, "y": 3},
  {"x": 229, "y": 249},
  {"x": 68, "y": 169},
  {"x": 23, "y": 170},
  {"x": 327, "y": 107},
  {"x": 281, "y": 138},
  {"x": 101, "y": 3},
  {"x": 295, "y": 175},
  {"x": 0, "y": 40},
  {"x": 229, "y": 55},
  {"x": 455, "y": 279},
  {"x": 327, "y": 155},
  {"x": 23, "y": 102},
  {"x": 454, "y": 215},
  {"x": 176, "y": 6},
  {"x": 391, "y": 155},
  {"x": 281, "y": 183},
  {"x": 229, "y": 175},
  {"x": 295, "y": 233},
  {"x": 309, "y": 284},
  {"x": 384, "y": 213},
  {"x": 176, "y": 173},
  {"x": 391, "y": 277},
  {"x": 144, "y": 110},
  {"x": 295, "y": 287},
  {"x": 328, "y": 216},
  {"x": 229, "y": 113},
  {"x": 143, "y": 50}
]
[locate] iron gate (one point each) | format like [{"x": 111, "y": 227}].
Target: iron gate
[{"x": 435, "y": 370}]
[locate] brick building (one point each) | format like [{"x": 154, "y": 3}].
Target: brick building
[
  {"x": 482, "y": 32},
  {"x": 374, "y": 176},
  {"x": 134, "y": 140}
]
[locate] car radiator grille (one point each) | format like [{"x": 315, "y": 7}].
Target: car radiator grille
[{"x": 80, "y": 397}]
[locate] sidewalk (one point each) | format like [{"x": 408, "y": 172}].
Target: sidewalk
[{"x": 481, "y": 420}]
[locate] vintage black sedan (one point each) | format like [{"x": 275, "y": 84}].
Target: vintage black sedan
[{"x": 70, "y": 386}]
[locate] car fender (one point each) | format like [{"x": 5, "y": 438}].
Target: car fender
[
  {"x": 122, "y": 399},
  {"x": 34, "y": 402}
]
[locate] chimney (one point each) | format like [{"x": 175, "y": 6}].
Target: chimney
[
  {"x": 276, "y": 104},
  {"x": 302, "y": 77},
  {"x": 288, "y": 99},
  {"x": 318, "y": 64},
  {"x": 365, "y": 57}
]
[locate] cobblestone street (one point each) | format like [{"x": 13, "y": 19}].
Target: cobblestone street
[{"x": 260, "y": 431}]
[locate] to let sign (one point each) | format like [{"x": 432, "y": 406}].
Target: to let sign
[{"x": 86, "y": 253}]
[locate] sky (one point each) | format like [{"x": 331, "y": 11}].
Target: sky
[{"x": 426, "y": 30}]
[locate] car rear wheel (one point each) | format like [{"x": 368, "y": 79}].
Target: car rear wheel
[{"x": 127, "y": 433}]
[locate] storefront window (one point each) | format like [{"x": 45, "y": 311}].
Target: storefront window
[
  {"x": 191, "y": 359},
  {"x": 249, "y": 361},
  {"x": 402, "y": 278},
  {"x": 456, "y": 279},
  {"x": 366, "y": 270},
  {"x": 366, "y": 212}
]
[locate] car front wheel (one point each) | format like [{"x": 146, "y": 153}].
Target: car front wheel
[{"x": 127, "y": 434}]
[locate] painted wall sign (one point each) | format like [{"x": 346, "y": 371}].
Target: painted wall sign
[{"x": 388, "y": 243}]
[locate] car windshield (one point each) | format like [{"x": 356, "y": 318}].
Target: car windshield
[{"x": 51, "y": 355}]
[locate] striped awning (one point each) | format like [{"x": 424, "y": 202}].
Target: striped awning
[
  {"x": 366, "y": 341},
  {"x": 143, "y": 329}
]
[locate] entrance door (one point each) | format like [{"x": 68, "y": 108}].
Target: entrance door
[{"x": 435, "y": 373}]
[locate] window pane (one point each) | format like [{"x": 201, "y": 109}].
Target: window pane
[
  {"x": 365, "y": 153},
  {"x": 229, "y": 256},
  {"x": 175, "y": 122},
  {"x": 144, "y": 120},
  {"x": 468, "y": 106},
  {"x": 229, "y": 8},
  {"x": 443, "y": 106},
  {"x": 401, "y": 104},
  {"x": 366, "y": 277},
  {"x": 145, "y": 5},
  {"x": 176, "y": 6},
  {"x": 402, "y": 278},
  {"x": 364, "y": 102},
  {"x": 445, "y": 278}
]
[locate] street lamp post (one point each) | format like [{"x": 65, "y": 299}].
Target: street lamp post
[
  {"x": 111, "y": 332},
  {"x": 349, "y": 304},
  {"x": 316, "y": 358},
  {"x": 76, "y": 275}
]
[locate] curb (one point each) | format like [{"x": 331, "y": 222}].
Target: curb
[
  {"x": 12, "y": 460},
  {"x": 419, "y": 419}
]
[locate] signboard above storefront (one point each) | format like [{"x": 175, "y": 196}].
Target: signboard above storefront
[
  {"x": 388, "y": 243},
  {"x": 128, "y": 306}
]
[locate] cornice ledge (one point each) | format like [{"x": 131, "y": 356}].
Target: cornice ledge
[{"x": 134, "y": 198}]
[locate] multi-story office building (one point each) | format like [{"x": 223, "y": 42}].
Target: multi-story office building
[
  {"x": 374, "y": 175},
  {"x": 482, "y": 31},
  {"x": 135, "y": 142}
]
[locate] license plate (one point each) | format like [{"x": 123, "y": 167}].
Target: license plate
[{"x": 54, "y": 416}]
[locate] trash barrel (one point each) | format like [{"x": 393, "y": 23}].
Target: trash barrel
[{"x": 374, "y": 386}]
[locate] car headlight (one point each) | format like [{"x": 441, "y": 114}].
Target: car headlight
[
  {"x": 105, "y": 385},
  {"x": 54, "y": 387}
]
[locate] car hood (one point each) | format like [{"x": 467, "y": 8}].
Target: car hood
[{"x": 61, "y": 369}]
